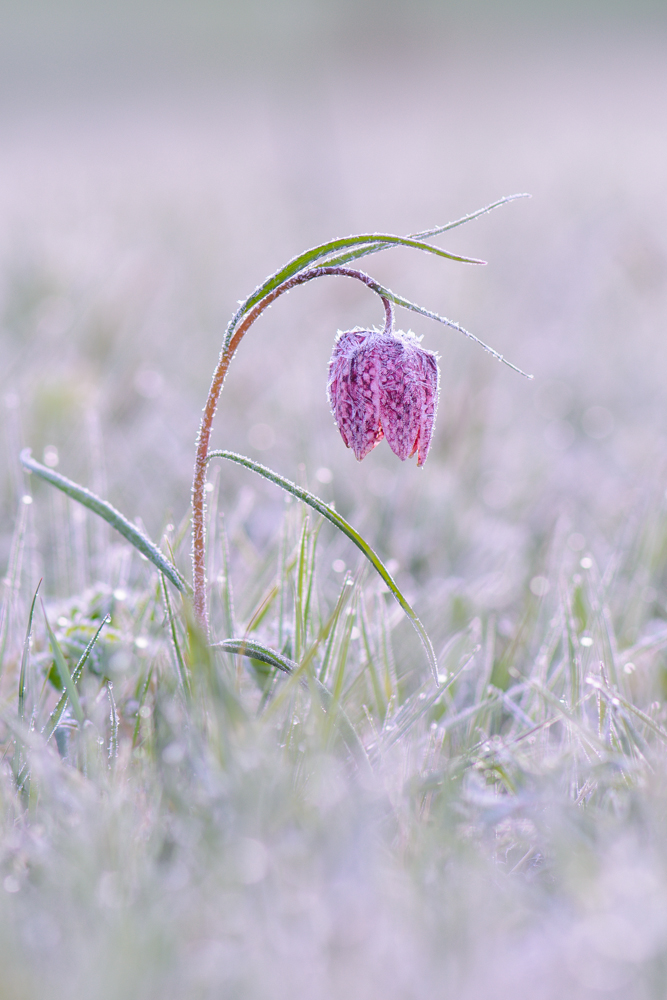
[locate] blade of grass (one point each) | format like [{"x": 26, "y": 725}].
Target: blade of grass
[
  {"x": 256, "y": 651},
  {"x": 427, "y": 233},
  {"x": 142, "y": 698},
  {"x": 343, "y": 598},
  {"x": 180, "y": 662},
  {"x": 299, "y": 595},
  {"x": 25, "y": 657},
  {"x": 113, "y": 718},
  {"x": 57, "y": 712},
  {"x": 112, "y": 516},
  {"x": 63, "y": 670},
  {"x": 414, "y": 307},
  {"x": 347, "y": 529},
  {"x": 10, "y": 583}
]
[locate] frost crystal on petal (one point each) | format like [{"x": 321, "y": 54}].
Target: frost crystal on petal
[{"x": 383, "y": 385}]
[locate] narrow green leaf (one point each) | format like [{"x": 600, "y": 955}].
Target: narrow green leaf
[
  {"x": 57, "y": 712},
  {"x": 142, "y": 698},
  {"x": 373, "y": 241},
  {"x": 113, "y": 517},
  {"x": 180, "y": 662},
  {"x": 332, "y": 625},
  {"x": 347, "y": 529},
  {"x": 256, "y": 651},
  {"x": 25, "y": 657},
  {"x": 113, "y": 736},
  {"x": 427, "y": 234},
  {"x": 63, "y": 670},
  {"x": 406, "y": 304},
  {"x": 299, "y": 596}
]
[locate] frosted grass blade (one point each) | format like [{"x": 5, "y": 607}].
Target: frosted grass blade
[
  {"x": 26, "y": 654},
  {"x": 57, "y": 712},
  {"x": 256, "y": 651},
  {"x": 413, "y": 307},
  {"x": 427, "y": 234},
  {"x": 112, "y": 516},
  {"x": 180, "y": 662},
  {"x": 63, "y": 670},
  {"x": 347, "y": 529},
  {"x": 371, "y": 242}
]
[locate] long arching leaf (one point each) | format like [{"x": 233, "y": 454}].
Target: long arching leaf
[
  {"x": 331, "y": 515},
  {"x": 374, "y": 242},
  {"x": 406, "y": 304},
  {"x": 110, "y": 515},
  {"x": 428, "y": 234}
]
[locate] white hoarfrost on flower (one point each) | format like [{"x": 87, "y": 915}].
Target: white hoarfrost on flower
[{"x": 383, "y": 385}]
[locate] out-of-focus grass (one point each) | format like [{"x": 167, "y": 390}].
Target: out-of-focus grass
[
  {"x": 251, "y": 832},
  {"x": 504, "y": 837}
]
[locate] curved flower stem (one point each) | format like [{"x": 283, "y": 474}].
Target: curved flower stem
[{"x": 204, "y": 436}]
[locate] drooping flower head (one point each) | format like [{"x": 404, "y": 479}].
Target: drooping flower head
[{"x": 383, "y": 385}]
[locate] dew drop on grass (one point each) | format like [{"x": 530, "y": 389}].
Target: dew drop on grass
[
  {"x": 173, "y": 753},
  {"x": 141, "y": 642},
  {"x": 540, "y": 586},
  {"x": 586, "y": 562},
  {"x": 51, "y": 458},
  {"x": 119, "y": 594},
  {"x": 26, "y": 499},
  {"x": 338, "y": 566},
  {"x": 629, "y": 668},
  {"x": 324, "y": 475},
  {"x": 586, "y": 641}
]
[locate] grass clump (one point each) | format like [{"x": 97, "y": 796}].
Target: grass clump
[{"x": 349, "y": 827}]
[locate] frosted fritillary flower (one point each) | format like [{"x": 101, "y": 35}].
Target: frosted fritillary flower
[{"x": 383, "y": 385}]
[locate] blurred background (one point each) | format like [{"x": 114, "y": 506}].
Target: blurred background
[{"x": 158, "y": 160}]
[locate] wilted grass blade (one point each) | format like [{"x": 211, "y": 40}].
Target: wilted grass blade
[
  {"x": 347, "y": 529},
  {"x": 63, "y": 670},
  {"x": 112, "y": 516},
  {"x": 26, "y": 654},
  {"x": 256, "y": 651}
]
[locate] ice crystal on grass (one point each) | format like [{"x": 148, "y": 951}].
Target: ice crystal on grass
[{"x": 383, "y": 385}]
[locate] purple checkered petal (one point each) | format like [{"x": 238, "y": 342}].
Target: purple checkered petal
[
  {"x": 429, "y": 386},
  {"x": 400, "y": 398},
  {"x": 383, "y": 384},
  {"x": 354, "y": 391}
]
